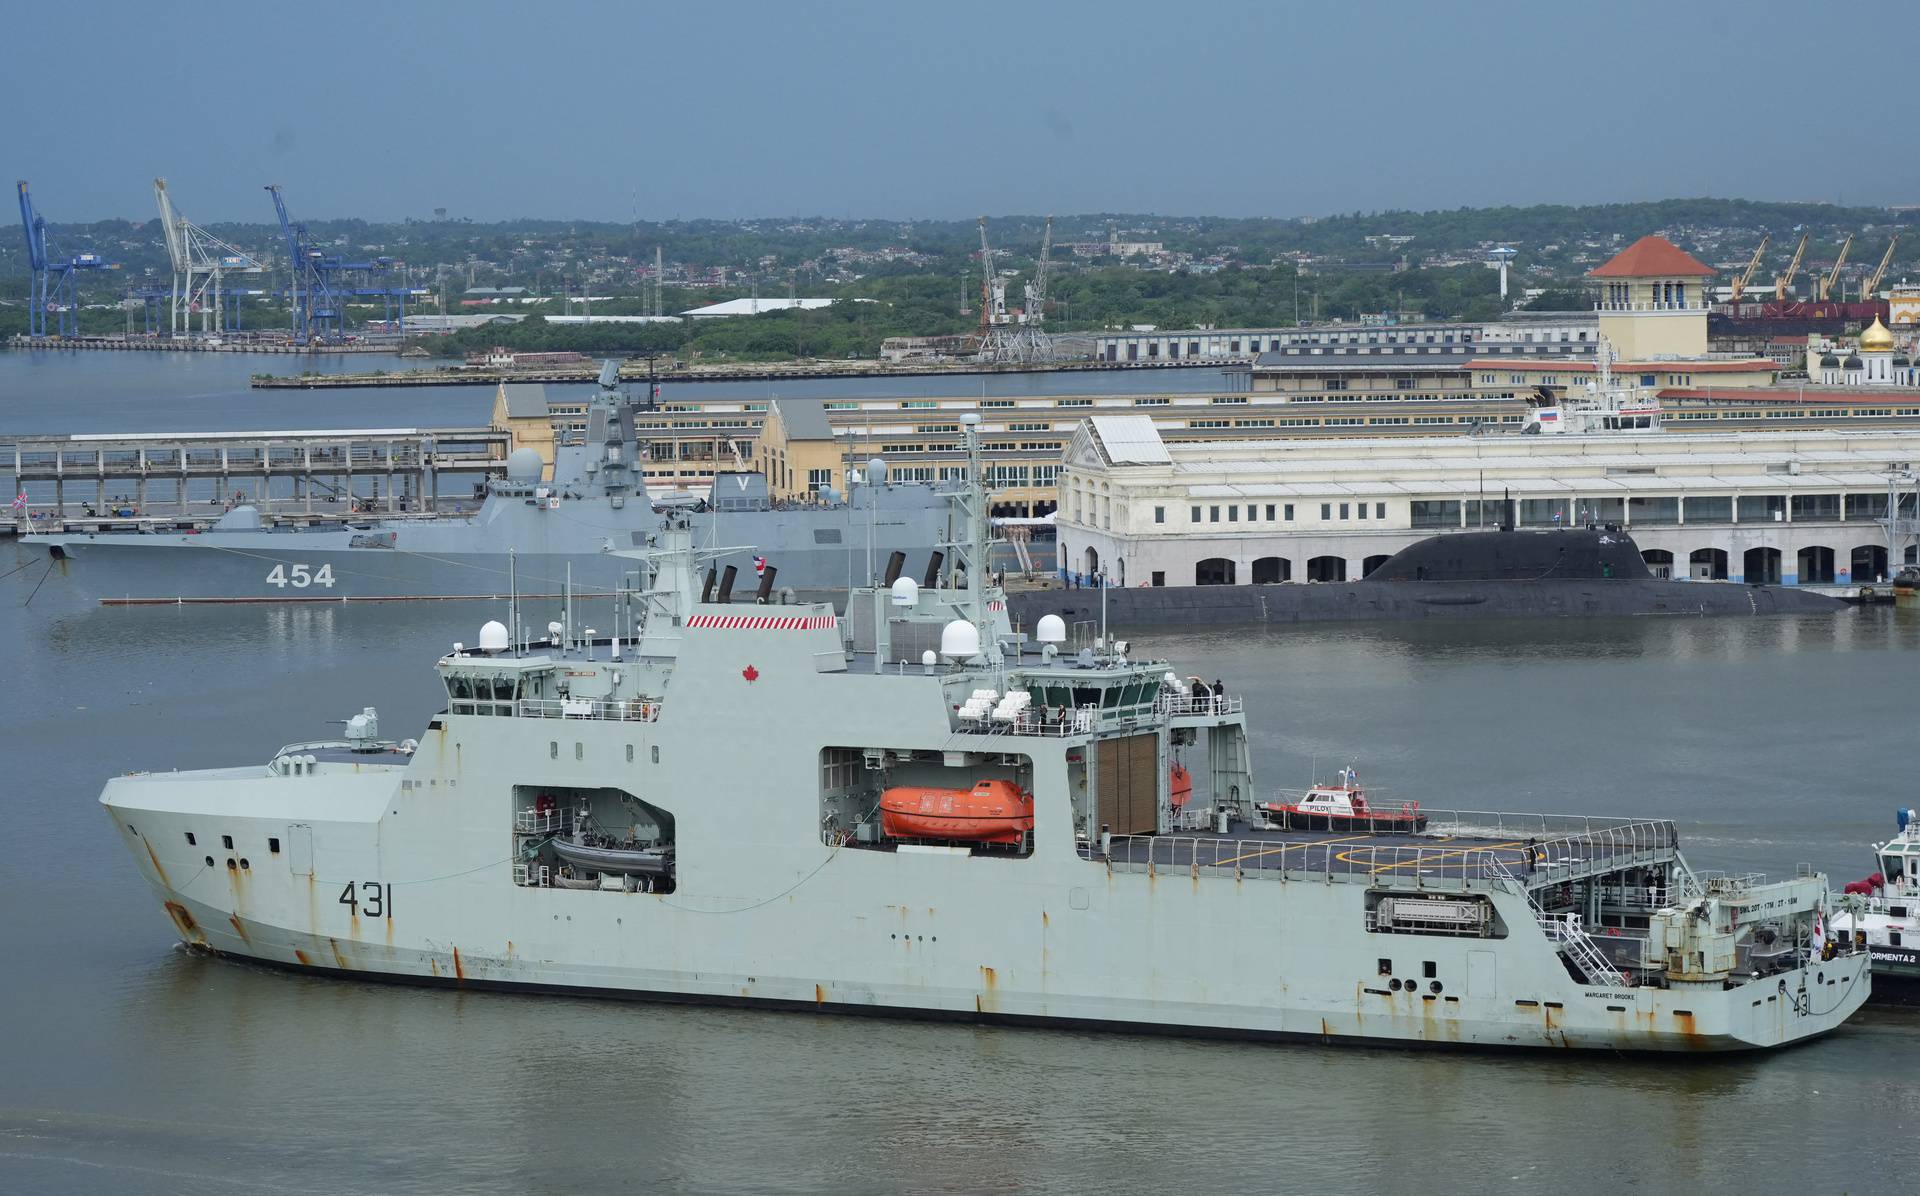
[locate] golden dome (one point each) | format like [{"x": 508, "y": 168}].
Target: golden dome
[{"x": 1876, "y": 339}]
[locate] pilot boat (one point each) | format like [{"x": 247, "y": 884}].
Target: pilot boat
[{"x": 1344, "y": 808}]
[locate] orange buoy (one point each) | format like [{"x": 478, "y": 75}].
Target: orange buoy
[{"x": 990, "y": 812}]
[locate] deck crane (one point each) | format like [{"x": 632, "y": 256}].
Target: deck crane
[
  {"x": 1746, "y": 276},
  {"x": 1781, "y": 283},
  {"x": 1879, "y": 271},
  {"x": 1833, "y": 275},
  {"x": 52, "y": 289},
  {"x": 201, "y": 262}
]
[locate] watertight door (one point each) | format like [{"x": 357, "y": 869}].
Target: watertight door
[
  {"x": 1482, "y": 973},
  {"x": 300, "y": 849}
]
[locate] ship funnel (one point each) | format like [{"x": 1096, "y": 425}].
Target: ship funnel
[
  {"x": 895, "y": 564},
  {"x": 766, "y": 585},
  {"x": 905, "y": 593},
  {"x": 1051, "y": 629},
  {"x": 493, "y": 636},
  {"x": 706, "y": 591},
  {"x": 726, "y": 585},
  {"x": 932, "y": 578}
]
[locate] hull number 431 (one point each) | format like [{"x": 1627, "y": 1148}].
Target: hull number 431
[{"x": 301, "y": 576}]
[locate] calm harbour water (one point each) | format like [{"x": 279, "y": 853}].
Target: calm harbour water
[{"x": 133, "y": 1067}]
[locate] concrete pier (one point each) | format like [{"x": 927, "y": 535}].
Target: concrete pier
[{"x": 93, "y": 481}]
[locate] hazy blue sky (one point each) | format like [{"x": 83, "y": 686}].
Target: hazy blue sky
[{"x": 730, "y": 108}]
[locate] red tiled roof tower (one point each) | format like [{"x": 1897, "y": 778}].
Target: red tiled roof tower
[{"x": 1653, "y": 257}]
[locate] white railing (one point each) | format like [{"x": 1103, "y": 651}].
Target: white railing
[
  {"x": 1557, "y": 858},
  {"x": 1194, "y": 704},
  {"x": 634, "y": 711},
  {"x": 540, "y": 822}
]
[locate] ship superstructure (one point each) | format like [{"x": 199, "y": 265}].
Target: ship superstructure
[
  {"x": 1881, "y": 915},
  {"x": 915, "y": 809},
  {"x": 537, "y": 532}
]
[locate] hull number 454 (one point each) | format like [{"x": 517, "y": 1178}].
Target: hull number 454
[{"x": 301, "y": 576}]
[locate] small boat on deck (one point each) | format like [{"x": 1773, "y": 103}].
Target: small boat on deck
[
  {"x": 1344, "y": 808},
  {"x": 621, "y": 860}
]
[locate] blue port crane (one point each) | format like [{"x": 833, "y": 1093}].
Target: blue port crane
[
  {"x": 320, "y": 283},
  {"x": 53, "y": 287}
]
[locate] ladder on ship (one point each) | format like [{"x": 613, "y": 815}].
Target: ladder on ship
[{"x": 1592, "y": 965}]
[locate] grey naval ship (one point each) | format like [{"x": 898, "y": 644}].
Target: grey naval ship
[
  {"x": 597, "y": 501},
  {"x": 939, "y": 816}
]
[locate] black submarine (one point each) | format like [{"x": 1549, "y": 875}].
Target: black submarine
[{"x": 1595, "y": 572}]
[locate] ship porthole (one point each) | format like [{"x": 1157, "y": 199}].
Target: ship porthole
[
  {"x": 246, "y": 866},
  {"x": 1434, "y": 988},
  {"x": 209, "y": 861},
  {"x": 231, "y": 866}
]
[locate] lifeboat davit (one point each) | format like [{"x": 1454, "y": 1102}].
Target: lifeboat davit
[{"x": 990, "y": 812}]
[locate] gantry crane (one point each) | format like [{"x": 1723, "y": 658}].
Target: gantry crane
[
  {"x": 52, "y": 290},
  {"x": 319, "y": 283},
  {"x": 1833, "y": 275},
  {"x": 1781, "y": 283},
  {"x": 1879, "y": 271},
  {"x": 1745, "y": 276},
  {"x": 201, "y": 261}
]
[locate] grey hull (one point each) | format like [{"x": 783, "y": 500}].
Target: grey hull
[{"x": 810, "y": 550}]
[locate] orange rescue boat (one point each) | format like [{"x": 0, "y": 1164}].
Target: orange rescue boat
[{"x": 990, "y": 812}]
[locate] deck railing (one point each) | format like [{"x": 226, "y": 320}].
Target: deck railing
[
  {"x": 639, "y": 710},
  {"x": 1194, "y": 704},
  {"x": 1596, "y": 848}
]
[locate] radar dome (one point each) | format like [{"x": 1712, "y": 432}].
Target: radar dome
[
  {"x": 493, "y": 636},
  {"x": 876, "y": 471},
  {"x": 525, "y": 465},
  {"x": 928, "y": 658},
  {"x": 959, "y": 640},
  {"x": 906, "y": 592},
  {"x": 1051, "y": 629}
]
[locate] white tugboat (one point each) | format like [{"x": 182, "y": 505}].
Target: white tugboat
[
  {"x": 1881, "y": 915},
  {"x": 915, "y": 810}
]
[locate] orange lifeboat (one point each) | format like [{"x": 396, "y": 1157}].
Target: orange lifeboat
[
  {"x": 1179, "y": 786},
  {"x": 990, "y": 812}
]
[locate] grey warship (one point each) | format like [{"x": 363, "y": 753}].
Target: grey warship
[
  {"x": 941, "y": 817},
  {"x": 555, "y": 532}
]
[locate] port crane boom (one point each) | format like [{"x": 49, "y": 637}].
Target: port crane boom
[
  {"x": 1879, "y": 271},
  {"x": 1746, "y": 276},
  {"x": 1784, "y": 281},
  {"x": 1833, "y": 275}
]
